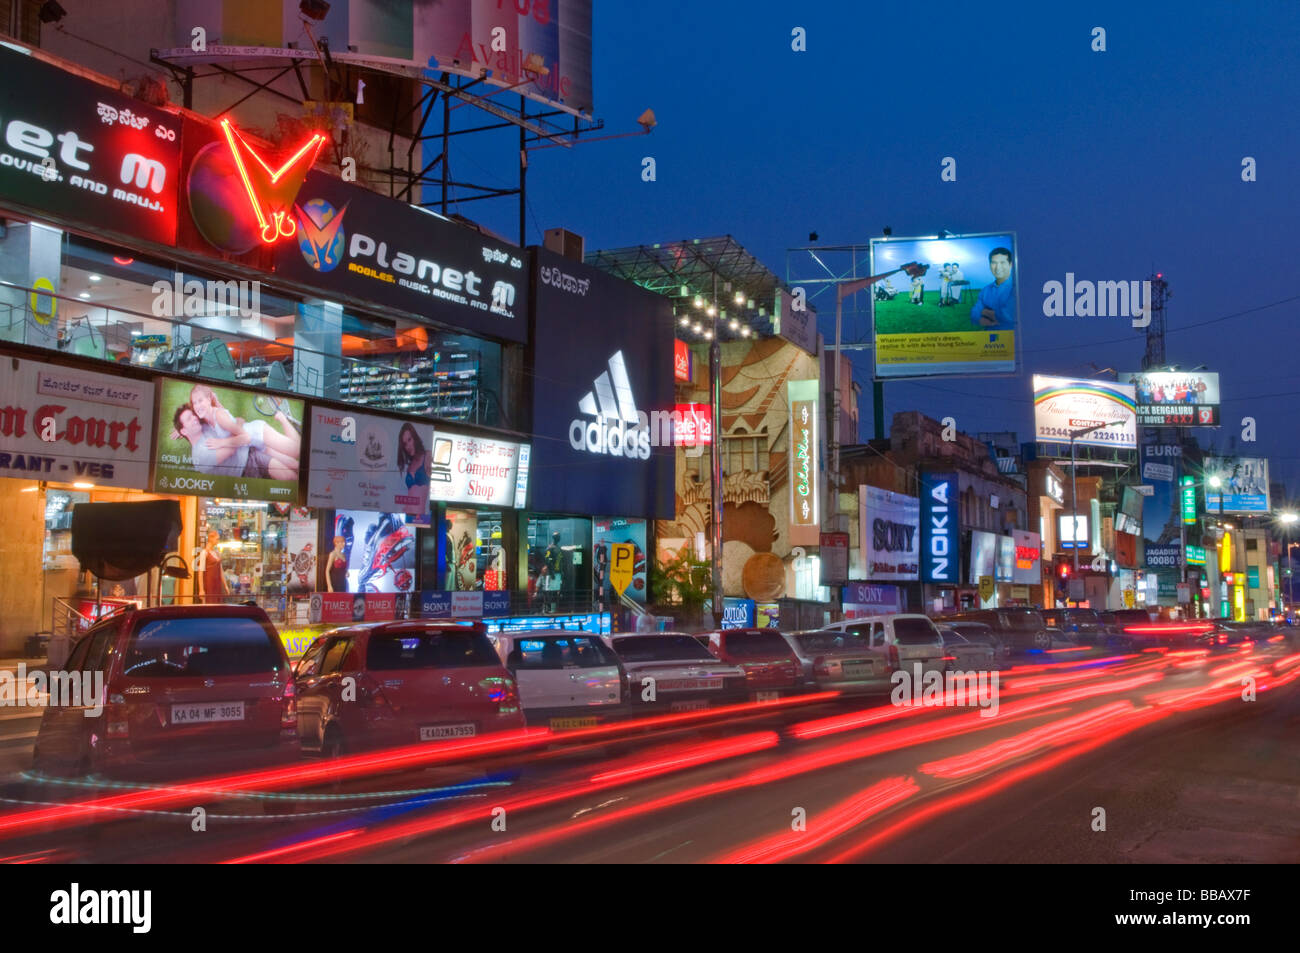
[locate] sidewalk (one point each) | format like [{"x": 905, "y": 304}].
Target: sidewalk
[{"x": 19, "y": 724}]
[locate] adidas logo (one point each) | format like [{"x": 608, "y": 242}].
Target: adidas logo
[{"x": 617, "y": 429}]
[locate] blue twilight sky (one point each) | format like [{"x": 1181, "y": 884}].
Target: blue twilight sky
[{"x": 1108, "y": 165}]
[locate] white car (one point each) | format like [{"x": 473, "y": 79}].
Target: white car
[
  {"x": 672, "y": 671},
  {"x": 566, "y": 679},
  {"x": 898, "y": 641}
]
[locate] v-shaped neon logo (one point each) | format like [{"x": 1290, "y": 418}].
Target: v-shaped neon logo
[{"x": 271, "y": 193}]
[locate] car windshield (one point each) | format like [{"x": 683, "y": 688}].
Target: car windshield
[
  {"x": 831, "y": 641},
  {"x": 567, "y": 651},
  {"x": 661, "y": 648},
  {"x": 1023, "y": 619},
  {"x": 1082, "y": 616},
  {"x": 753, "y": 644},
  {"x": 397, "y": 651},
  {"x": 201, "y": 646},
  {"x": 914, "y": 631}
]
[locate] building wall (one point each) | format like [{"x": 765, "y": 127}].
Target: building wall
[{"x": 21, "y": 586}]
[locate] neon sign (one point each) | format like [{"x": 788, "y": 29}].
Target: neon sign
[
  {"x": 803, "y": 457},
  {"x": 271, "y": 193}
]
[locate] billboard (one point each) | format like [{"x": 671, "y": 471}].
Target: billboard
[
  {"x": 983, "y": 556},
  {"x": 379, "y": 549},
  {"x": 960, "y": 317},
  {"x": 889, "y": 528},
  {"x": 1072, "y": 531},
  {"x": 1175, "y": 398},
  {"x": 482, "y": 39},
  {"x": 1244, "y": 485},
  {"x": 603, "y": 393},
  {"x": 940, "y": 528},
  {"x": 805, "y": 468},
  {"x": 1063, "y": 405},
  {"x": 362, "y": 462},
  {"x": 85, "y": 152},
  {"x": 220, "y": 441},
  {"x": 61, "y": 424},
  {"x": 467, "y": 469},
  {"x": 797, "y": 327},
  {"x": 1028, "y": 558}
]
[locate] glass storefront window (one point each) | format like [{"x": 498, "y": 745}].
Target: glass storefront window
[
  {"x": 559, "y": 561},
  {"x": 476, "y": 557},
  {"x": 252, "y": 543}
]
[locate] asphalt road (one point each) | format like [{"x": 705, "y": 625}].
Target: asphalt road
[{"x": 1183, "y": 770}]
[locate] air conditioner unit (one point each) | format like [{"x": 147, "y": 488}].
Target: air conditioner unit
[{"x": 566, "y": 243}]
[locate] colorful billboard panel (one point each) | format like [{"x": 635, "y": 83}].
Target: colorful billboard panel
[
  {"x": 1066, "y": 405},
  {"x": 958, "y": 313},
  {"x": 1175, "y": 398},
  {"x": 1243, "y": 485}
]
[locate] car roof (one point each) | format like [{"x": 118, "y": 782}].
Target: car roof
[{"x": 199, "y": 611}]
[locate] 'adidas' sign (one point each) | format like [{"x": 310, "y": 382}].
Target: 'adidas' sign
[{"x": 617, "y": 428}]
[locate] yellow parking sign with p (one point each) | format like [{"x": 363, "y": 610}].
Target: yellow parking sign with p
[{"x": 622, "y": 566}]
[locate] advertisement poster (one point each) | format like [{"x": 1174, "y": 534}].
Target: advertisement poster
[
  {"x": 362, "y": 462},
  {"x": 603, "y": 394},
  {"x": 940, "y": 528},
  {"x": 1175, "y": 398},
  {"x": 89, "y": 153},
  {"x": 834, "y": 552},
  {"x": 1006, "y": 566},
  {"x": 1028, "y": 556},
  {"x": 1243, "y": 485},
  {"x": 865, "y": 599},
  {"x": 100, "y": 425},
  {"x": 300, "y": 545},
  {"x": 960, "y": 317},
  {"x": 342, "y": 608},
  {"x": 467, "y": 469},
  {"x": 983, "y": 555},
  {"x": 607, "y": 532},
  {"x": 1162, "y": 460},
  {"x": 1065, "y": 405},
  {"x": 380, "y": 551},
  {"x": 220, "y": 441},
  {"x": 805, "y": 469},
  {"x": 767, "y": 615},
  {"x": 889, "y": 525}
]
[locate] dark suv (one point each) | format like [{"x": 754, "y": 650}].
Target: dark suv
[
  {"x": 1018, "y": 628},
  {"x": 1081, "y": 625}
]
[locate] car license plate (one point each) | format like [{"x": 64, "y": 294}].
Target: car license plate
[
  {"x": 767, "y": 696},
  {"x": 212, "y": 711},
  {"x": 690, "y": 706},
  {"x": 857, "y": 669},
  {"x": 689, "y": 684},
  {"x": 570, "y": 724},
  {"x": 438, "y": 732}
]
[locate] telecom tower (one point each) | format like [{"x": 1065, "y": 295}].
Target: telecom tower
[{"x": 1155, "y": 355}]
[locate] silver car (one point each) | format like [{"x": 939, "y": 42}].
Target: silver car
[{"x": 839, "y": 661}]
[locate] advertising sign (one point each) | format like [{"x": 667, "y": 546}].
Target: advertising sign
[
  {"x": 219, "y": 441},
  {"x": 467, "y": 469},
  {"x": 1175, "y": 398},
  {"x": 797, "y": 327},
  {"x": 983, "y": 556},
  {"x": 804, "y": 463},
  {"x": 1244, "y": 485},
  {"x": 1006, "y": 566},
  {"x": 622, "y": 572},
  {"x": 61, "y": 424},
  {"x": 1065, "y": 405},
  {"x": 682, "y": 363},
  {"x": 487, "y": 40},
  {"x": 362, "y": 462},
  {"x": 1072, "y": 531},
  {"x": 342, "y": 608},
  {"x": 692, "y": 425},
  {"x": 1195, "y": 555},
  {"x": 889, "y": 526},
  {"x": 1187, "y": 497},
  {"x": 864, "y": 599},
  {"x": 834, "y": 561},
  {"x": 379, "y": 549},
  {"x": 940, "y": 527},
  {"x": 737, "y": 613},
  {"x": 1162, "y": 557},
  {"x": 300, "y": 545},
  {"x": 86, "y": 152},
  {"x": 960, "y": 317},
  {"x": 603, "y": 393},
  {"x": 1028, "y": 555}
]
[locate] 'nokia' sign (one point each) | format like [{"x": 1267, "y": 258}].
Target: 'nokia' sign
[{"x": 939, "y": 528}]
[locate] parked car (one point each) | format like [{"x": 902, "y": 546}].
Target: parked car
[
  {"x": 966, "y": 654},
  {"x": 840, "y": 660},
  {"x": 978, "y": 632},
  {"x": 395, "y": 683},
  {"x": 1019, "y": 627},
  {"x": 566, "y": 679},
  {"x": 771, "y": 665},
  {"x": 189, "y": 688},
  {"x": 903, "y": 639},
  {"x": 686, "y": 676},
  {"x": 1078, "y": 625}
]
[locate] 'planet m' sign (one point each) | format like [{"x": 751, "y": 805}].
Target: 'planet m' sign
[{"x": 939, "y": 528}]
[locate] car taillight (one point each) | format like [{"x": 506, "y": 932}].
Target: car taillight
[{"x": 289, "y": 714}]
